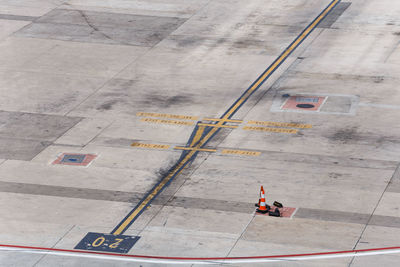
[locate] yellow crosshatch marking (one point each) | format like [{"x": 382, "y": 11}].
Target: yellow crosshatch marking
[
  {"x": 156, "y": 146},
  {"x": 218, "y": 125},
  {"x": 241, "y": 152},
  {"x": 273, "y": 130},
  {"x": 126, "y": 222},
  {"x": 195, "y": 149},
  {"x": 225, "y": 120},
  {"x": 281, "y": 124},
  {"x": 167, "y": 121},
  {"x": 169, "y": 116}
]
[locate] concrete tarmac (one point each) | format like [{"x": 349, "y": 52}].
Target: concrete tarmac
[{"x": 95, "y": 96}]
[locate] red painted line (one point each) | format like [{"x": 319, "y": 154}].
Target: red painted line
[{"x": 200, "y": 259}]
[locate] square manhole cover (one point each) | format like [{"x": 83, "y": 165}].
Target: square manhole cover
[
  {"x": 310, "y": 103},
  {"x": 75, "y": 159},
  {"x": 315, "y": 103}
]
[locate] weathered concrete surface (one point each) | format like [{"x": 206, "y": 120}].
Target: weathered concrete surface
[{"x": 75, "y": 75}]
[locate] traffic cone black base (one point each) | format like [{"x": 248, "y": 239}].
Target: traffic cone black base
[
  {"x": 262, "y": 211},
  {"x": 268, "y": 208}
]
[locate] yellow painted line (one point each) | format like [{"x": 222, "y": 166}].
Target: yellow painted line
[
  {"x": 280, "y": 59},
  {"x": 188, "y": 123},
  {"x": 218, "y": 125},
  {"x": 179, "y": 167},
  {"x": 156, "y": 146},
  {"x": 225, "y": 120},
  {"x": 281, "y": 124},
  {"x": 175, "y": 171},
  {"x": 273, "y": 130},
  {"x": 195, "y": 149},
  {"x": 168, "y": 116},
  {"x": 197, "y": 136},
  {"x": 241, "y": 152}
]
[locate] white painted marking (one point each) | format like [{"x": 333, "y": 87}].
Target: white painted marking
[{"x": 219, "y": 261}]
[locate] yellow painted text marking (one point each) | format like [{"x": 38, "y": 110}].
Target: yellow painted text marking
[
  {"x": 281, "y": 124},
  {"x": 241, "y": 152},
  {"x": 156, "y": 146},
  {"x": 167, "y": 121},
  {"x": 273, "y": 130},
  {"x": 169, "y": 116}
]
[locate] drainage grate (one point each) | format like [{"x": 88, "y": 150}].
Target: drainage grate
[
  {"x": 305, "y": 106},
  {"x": 308, "y": 102},
  {"x": 75, "y": 159}
]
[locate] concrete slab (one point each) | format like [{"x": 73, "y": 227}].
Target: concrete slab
[
  {"x": 369, "y": 16},
  {"x": 16, "y": 52},
  {"x": 197, "y": 220},
  {"x": 175, "y": 8},
  {"x": 62, "y": 211},
  {"x": 352, "y": 48},
  {"x": 27, "y": 234},
  {"x": 7, "y": 27},
  {"x": 15, "y": 259},
  {"x": 102, "y": 27},
  {"x": 328, "y": 215},
  {"x": 334, "y": 15},
  {"x": 256, "y": 248},
  {"x": 184, "y": 244},
  {"x": 85, "y": 59},
  {"x": 376, "y": 236},
  {"x": 21, "y": 149},
  {"x": 327, "y": 235},
  {"x": 47, "y": 93},
  {"x": 388, "y": 260},
  {"x": 212, "y": 19},
  {"x": 83, "y": 132},
  {"x": 37, "y": 126},
  {"x": 389, "y": 205},
  {"x": 71, "y": 176},
  {"x": 28, "y": 7},
  {"x": 17, "y": 17},
  {"x": 123, "y": 134}
]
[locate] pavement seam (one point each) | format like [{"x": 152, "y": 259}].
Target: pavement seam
[
  {"x": 244, "y": 230},
  {"x": 43, "y": 256},
  {"x": 394, "y": 176}
]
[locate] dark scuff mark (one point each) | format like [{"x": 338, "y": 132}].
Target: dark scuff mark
[
  {"x": 345, "y": 135},
  {"x": 107, "y": 105},
  {"x": 167, "y": 101}
]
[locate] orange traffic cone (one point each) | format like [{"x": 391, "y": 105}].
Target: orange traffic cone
[
  {"x": 264, "y": 208},
  {"x": 259, "y": 199}
]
